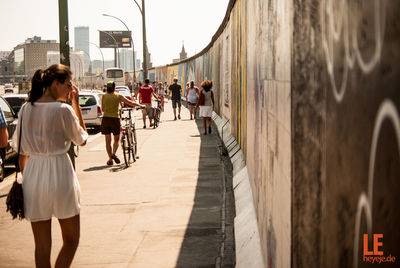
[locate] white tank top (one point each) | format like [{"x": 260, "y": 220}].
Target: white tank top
[{"x": 192, "y": 97}]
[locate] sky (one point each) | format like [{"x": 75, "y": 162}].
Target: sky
[{"x": 169, "y": 24}]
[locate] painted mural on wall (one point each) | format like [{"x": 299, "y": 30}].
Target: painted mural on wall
[
  {"x": 238, "y": 91},
  {"x": 182, "y": 77},
  {"x": 172, "y": 71}
]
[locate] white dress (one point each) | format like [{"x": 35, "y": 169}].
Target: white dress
[{"x": 50, "y": 185}]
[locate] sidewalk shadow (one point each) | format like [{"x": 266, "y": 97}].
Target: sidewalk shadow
[
  {"x": 118, "y": 168},
  {"x": 96, "y": 168},
  {"x": 203, "y": 237},
  {"x": 115, "y": 168}
]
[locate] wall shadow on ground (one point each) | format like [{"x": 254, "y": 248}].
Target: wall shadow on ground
[{"x": 202, "y": 241}]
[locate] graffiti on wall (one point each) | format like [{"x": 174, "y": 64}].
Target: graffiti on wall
[{"x": 353, "y": 40}]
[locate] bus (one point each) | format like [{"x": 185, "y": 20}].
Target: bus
[{"x": 115, "y": 74}]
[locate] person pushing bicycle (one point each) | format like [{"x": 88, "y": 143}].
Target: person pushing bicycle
[{"x": 111, "y": 122}]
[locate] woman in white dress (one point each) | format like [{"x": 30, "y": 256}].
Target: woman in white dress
[
  {"x": 191, "y": 99},
  {"x": 207, "y": 105},
  {"x": 50, "y": 185}
]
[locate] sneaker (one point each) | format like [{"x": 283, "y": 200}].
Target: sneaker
[
  {"x": 179, "y": 116},
  {"x": 209, "y": 129},
  {"x": 116, "y": 159},
  {"x": 109, "y": 163}
]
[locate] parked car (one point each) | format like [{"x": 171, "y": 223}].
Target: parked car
[
  {"x": 16, "y": 101},
  {"x": 90, "y": 103},
  {"x": 8, "y": 88},
  {"x": 124, "y": 91},
  {"x": 10, "y": 155}
]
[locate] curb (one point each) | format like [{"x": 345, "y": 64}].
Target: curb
[{"x": 247, "y": 238}]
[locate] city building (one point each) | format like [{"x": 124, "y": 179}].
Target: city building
[
  {"x": 76, "y": 59},
  {"x": 4, "y": 54},
  {"x": 126, "y": 58},
  {"x": 32, "y": 55},
  {"x": 81, "y": 34},
  {"x": 6, "y": 66}
]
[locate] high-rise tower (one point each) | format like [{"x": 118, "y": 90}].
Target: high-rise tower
[{"x": 82, "y": 43}]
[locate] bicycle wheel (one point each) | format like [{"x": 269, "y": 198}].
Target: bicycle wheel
[
  {"x": 131, "y": 152},
  {"x": 126, "y": 150},
  {"x": 134, "y": 144}
]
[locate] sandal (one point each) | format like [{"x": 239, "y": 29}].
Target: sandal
[
  {"x": 116, "y": 159},
  {"x": 109, "y": 163}
]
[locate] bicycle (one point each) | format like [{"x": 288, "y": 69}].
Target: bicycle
[
  {"x": 128, "y": 136},
  {"x": 157, "y": 114}
]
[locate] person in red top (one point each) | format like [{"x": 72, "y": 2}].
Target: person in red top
[{"x": 145, "y": 93}]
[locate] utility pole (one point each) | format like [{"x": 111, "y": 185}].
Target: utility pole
[
  {"x": 144, "y": 42},
  {"x": 142, "y": 11},
  {"x": 64, "y": 50},
  {"x": 63, "y": 31}
]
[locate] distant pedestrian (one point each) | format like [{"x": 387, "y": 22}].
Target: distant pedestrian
[
  {"x": 160, "y": 93},
  {"x": 146, "y": 91},
  {"x": 206, "y": 104},
  {"x": 50, "y": 185},
  {"x": 165, "y": 88},
  {"x": 111, "y": 122},
  {"x": 176, "y": 91},
  {"x": 191, "y": 99}
]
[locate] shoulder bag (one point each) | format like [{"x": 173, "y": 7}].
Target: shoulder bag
[{"x": 201, "y": 99}]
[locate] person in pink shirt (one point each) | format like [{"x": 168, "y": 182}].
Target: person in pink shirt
[{"x": 145, "y": 93}]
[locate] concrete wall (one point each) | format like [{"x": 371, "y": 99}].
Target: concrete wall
[
  {"x": 346, "y": 131},
  {"x": 311, "y": 92}
]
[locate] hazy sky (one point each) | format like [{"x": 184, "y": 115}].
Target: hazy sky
[{"x": 168, "y": 23}]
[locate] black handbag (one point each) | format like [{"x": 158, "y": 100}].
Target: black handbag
[{"x": 15, "y": 198}]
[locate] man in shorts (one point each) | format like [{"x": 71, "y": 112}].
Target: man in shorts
[
  {"x": 176, "y": 91},
  {"x": 145, "y": 92}
]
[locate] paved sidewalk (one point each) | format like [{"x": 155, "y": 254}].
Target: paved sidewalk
[{"x": 163, "y": 211}]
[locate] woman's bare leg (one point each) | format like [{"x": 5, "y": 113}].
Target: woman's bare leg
[
  {"x": 108, "y": 146},
  {"x": 116, "y": 144},
  {"x": 70, "y": 229},
  {"x": 42, "y": 235},
  {"x": 205, "y": 125}
]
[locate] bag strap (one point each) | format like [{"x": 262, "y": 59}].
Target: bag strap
[{"x": 19, "y": 143}]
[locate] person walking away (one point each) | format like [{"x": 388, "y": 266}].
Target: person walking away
[
  {"x": 176, "y": 91},
  {"x": 111, "y": 122},
  {"x": 191, "y": 99},
  {"x": 161, "y": 94},
  {"x": 206, "y": 104},
  {"x": 50, "y": 185},
  {"x": 3, "y": 138},
  {"x": 145, "y": 92}
]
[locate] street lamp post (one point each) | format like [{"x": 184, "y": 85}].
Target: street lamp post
[
  {"x": 142, "y": 11},
  {"x": 115, "y": 49},
  {"x": 133, "y": 48}
]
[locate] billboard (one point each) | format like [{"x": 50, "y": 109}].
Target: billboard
[{"x": 115, "y": 39}]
